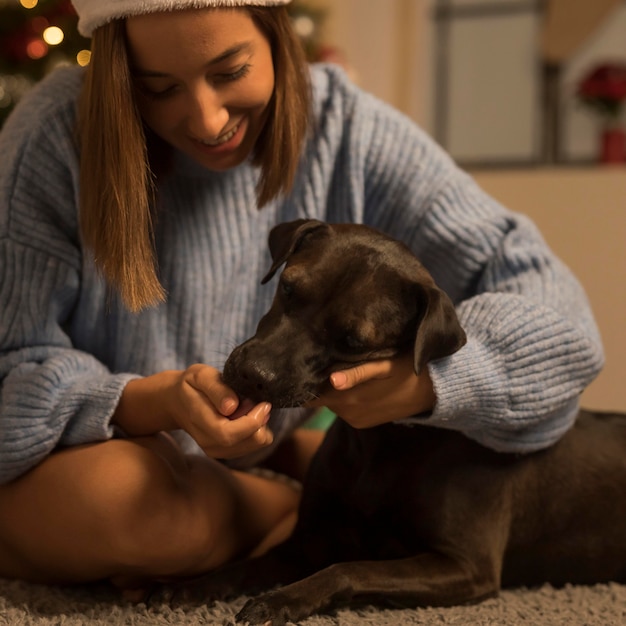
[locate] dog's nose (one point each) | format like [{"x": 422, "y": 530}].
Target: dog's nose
[
  {"x": 259, "y": 376},
  {"x": 252, "y": 379}
]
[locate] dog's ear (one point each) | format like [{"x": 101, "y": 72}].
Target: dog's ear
[
  {"x": 439, "y": 332},
  {"x": 285, "y": 239}
]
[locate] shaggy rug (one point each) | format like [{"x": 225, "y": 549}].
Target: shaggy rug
[{"x": 34, "y": 605}]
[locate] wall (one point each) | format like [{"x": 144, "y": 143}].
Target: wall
[
  {"x": 582, "y": 214},
  {"x": 387, "y": 43}
]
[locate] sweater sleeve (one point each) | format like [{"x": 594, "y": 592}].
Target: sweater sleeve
[
  {"x": 51, "y": 394},
  {"x": 533, "y": 345}
]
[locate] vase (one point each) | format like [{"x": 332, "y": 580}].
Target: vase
[{"x": 613, "y": 146}]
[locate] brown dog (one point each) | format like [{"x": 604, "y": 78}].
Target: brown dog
[{"x": 398, "y": 515}]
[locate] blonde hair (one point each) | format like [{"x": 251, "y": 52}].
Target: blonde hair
[{"x": 117, "y": 170}]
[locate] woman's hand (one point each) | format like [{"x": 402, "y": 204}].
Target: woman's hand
[
  {"x": 378, "y": 392},
  {"x": 197, "y": 401}
]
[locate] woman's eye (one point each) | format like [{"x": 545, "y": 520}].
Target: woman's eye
[
  {"x": 236, "y": 74},
  {"x": 156, "y": 94}
]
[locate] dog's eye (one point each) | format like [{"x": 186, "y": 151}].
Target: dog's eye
[
  {"x": 286, "y": 288},
  {"x": 351, "y": 343}
]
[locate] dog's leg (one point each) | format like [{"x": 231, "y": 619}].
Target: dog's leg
[
  {"x": 281, "y": 565},
  {"x": 429, "y": 579}
]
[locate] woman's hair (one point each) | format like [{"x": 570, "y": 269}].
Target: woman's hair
[{"x": 117, "y": 172}]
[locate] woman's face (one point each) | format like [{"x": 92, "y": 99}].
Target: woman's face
[{"x": 204, "y": 81}]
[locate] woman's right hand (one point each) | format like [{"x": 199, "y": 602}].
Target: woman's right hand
[{"x": 197, "y": 401}]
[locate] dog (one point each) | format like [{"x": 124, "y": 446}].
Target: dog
[
  {"x": 396, "y": 515},
  {"x": 348, "y": 294}
]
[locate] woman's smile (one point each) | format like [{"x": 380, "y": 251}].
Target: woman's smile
[
  {"x": 227, "y": 143},
  {"x": 227, "y": 136}
]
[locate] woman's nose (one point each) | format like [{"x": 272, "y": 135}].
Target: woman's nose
[{"x": 208, "y": 117}]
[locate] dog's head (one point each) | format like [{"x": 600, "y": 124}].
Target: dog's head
[{"x": 348, "y": 294}]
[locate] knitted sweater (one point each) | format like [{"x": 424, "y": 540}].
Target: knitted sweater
[{"x": 67, "y": 349}]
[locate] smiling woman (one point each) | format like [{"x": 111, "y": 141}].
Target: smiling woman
[{"x": 200, "y": 92}]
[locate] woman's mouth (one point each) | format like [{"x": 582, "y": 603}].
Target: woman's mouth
[
  {"x": 221, "y": 153},
  {"x": 222, "y": 139}
]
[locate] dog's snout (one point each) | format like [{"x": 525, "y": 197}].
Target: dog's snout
[
  {"x": 258, "y": 376},
  {"x": 250, "y": 377}
]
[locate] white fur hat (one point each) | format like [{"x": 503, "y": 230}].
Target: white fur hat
[{"x": 94, "y": 13}]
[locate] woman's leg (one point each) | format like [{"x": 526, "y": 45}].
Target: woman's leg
[{"x": 133, "y": 509}]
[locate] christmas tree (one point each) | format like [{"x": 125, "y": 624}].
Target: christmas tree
[
  {"x": 38, "y": 35},
  {"x": 35, "y": 37}
]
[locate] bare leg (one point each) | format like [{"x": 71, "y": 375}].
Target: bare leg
[
  {"x": 293, "y": 458},
  {"x": 294, "y": 455},
  {"x": 133, "y": 509}
]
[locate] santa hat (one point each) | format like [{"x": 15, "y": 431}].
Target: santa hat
[{"x": 94, "y": 13}]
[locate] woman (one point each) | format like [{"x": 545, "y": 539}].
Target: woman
[{"x": 136, "y": 201}]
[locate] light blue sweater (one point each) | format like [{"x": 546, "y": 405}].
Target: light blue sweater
[{"x": 66, "y": 352}]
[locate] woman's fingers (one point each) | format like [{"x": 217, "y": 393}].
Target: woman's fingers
[{"x": 347, "y": 379}]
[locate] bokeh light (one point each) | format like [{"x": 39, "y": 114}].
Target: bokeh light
[
  {"x": 36, "y": 49},
  {"x": 38, "y": 24},
  {"x": 304, "y": 26},
  {"x": 83, "y": 57},
  {"x": 53, "y": 35}
]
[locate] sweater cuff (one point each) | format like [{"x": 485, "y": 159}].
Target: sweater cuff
[
  {"x": 470, "y": 387},
  {"x": 94, "y": 412}
]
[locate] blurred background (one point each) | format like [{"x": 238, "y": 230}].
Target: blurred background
[{"x": 529, "y": 97}]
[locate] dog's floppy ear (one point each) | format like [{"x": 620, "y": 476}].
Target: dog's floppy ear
[
  {"x": 285, "y": 239},
  {"x": 439, "y": 332}
]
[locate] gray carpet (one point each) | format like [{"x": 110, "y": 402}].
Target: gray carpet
[{"x": 33, "y": 605}]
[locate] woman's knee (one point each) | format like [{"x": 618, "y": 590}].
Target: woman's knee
[{"x": 157, "y": 520}]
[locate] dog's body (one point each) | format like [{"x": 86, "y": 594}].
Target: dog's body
[{"x": 400, "y": 515}]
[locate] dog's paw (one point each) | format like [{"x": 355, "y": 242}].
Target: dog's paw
[
  {"x": 256, "y": 612},
  {"x": 270, "y": 609}
]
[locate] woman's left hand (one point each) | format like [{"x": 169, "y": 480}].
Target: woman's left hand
[{"x": 378, "y": 392}]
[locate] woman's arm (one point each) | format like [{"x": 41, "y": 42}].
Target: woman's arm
[
  {"x": 533, "y": 345},
  {"x": 52, "y": 395}
]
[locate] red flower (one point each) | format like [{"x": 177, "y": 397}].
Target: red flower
[{"x": 604, "y": 88}]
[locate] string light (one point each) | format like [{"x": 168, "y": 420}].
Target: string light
[
  {"x": 36, "y": 49},
  {"x": 29, "y": 4},
  {"x": 304, "y": 26},
  {"x": 53, "y": 35},
  {"x": 83, "y": 57},
  {"x": 38, "y": 24}
]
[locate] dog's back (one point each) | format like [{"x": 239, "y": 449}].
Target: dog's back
[
  {"x": 570, "y": 507},
  {"x": 552, "y": 516}
]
